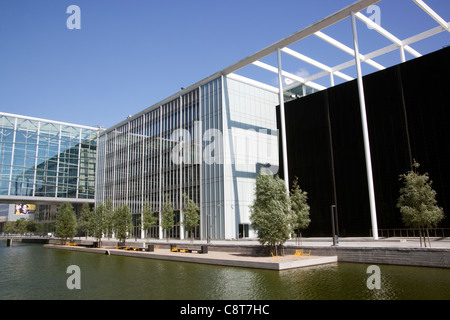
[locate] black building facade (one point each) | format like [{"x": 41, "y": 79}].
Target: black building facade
[{"x": 408, "y": 113}]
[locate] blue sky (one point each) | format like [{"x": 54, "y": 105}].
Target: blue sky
[{"x": 128, "y": 55}]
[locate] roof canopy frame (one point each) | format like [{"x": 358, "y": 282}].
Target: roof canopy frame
[
  {"x": 352, "y": 12},
  {"x": 314, "y": 29},
  {"x": 331, "y": 71},
  {"x": 433, "y": 14}
]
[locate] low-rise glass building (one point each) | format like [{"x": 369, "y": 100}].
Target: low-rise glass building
[
  {"x": 45, "y": 162},
  {"x": 208, "y": 142}
]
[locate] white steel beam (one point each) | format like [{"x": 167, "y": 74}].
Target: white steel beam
[
  {"x": 348, "y": 50},
  {"x": 382, "y": 51},
  {"x": 387, "y": 34},
  {"x": 424, "y": 35},
  {"x": 252, "y": 82},
  {"x": 433, "y": 14},
  {"x": 306, "y": 59},
  {"x": 302, "y": 34},
  {"x": 283, "y": 123},
  {"x": 315, "y": 63},
  {"x": 288, "y": 75},
  {"x": 368, "y": 157}
]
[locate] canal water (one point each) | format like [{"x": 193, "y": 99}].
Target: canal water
[{"x": 30, "y": 271}]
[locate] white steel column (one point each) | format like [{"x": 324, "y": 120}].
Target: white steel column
[
  {"x": 59, "y": 159},
  {"x": 362, "y": 103},
  {"x": 402, "y": 54},
  {"x": 283, "y": 122},
  {"x": 12, "y": 157},
  {"x": 142, "y": 155},
  {"x": 79, "y": 164},
  {"x": 35, "y": 158},
  {"x": 183, "y": 151},
  {"x": 161, "y": 236}
]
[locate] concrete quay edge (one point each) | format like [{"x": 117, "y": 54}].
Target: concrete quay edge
[
  {"x": 394, "y": 251},
  {"x": 214, "y": 258}
]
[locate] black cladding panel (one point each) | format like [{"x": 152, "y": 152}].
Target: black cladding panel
[{"x": 407, "y": 119}]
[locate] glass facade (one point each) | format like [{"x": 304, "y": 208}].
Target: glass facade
[
  {"x": 40, "y": 158},
  {"x": 212, "y": 208},
  {"x": 208, "y": 143},
  {"x": 151, "y": 155},
  {"x": 250, "y": 144}
]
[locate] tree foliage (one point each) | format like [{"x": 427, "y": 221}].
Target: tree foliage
[
  {"x": 97, "y": 222},
  {"x": 21, "y": 226},
  {"x": 191, "y": 215},
  {"x": 167, "y": 216},
  {"x": 122, "y": 222},
  {"x": 270, "y": 213},
  {"x": 84, "y": 219},
  {"x": 299, "y": 207},
  {"x": 66, "y": 222},
  {"x": 149, "y": 218},
  {"x": 417, "y": 201},
  {"x": 108, "y": 219}
]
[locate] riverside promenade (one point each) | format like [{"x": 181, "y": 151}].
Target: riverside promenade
[{"x": 314, "y": 251}]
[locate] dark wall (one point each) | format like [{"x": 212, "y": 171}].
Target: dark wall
[{"x": 408, "y": 110}]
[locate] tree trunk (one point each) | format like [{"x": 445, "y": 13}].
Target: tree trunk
[
  {"x": 420, "y": 237},
  {"x": 428, "y": 236}
]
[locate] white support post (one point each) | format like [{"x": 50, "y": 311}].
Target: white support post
[
  {"x": 402, "y": 54},
  {"x": 362, "y": 103},
  {"x": 181, "y": 170},
  {"x": 161, "y": 198},
  {"x": 142, "y": 155},
  {"x": 283, "y": 122}
]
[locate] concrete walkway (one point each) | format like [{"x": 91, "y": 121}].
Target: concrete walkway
[
  {"x": 392, "y": 242},
  {"x": 231, "y": 259},
  {"x": 249, "y": 253}
]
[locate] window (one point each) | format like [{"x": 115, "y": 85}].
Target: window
[{"x": 243, "y": 230}]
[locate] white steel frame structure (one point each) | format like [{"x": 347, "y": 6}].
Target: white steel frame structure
[
  {"x": 213, "y": 91},
  {"x": 351, "y": 12},
  {"x": 71, "y": 162}
]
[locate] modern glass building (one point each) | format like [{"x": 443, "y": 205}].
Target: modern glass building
[
  {"x": 210, "y": 140},
  {"x": 45, "y": 162},
  {"x": 207, "y": 142}
]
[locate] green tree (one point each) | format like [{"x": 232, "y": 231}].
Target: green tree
[
  {"x": 149, "y": 218},
  {"x": 271, "y": 213},
  {"x": 108, "y": 221},
  {"x": 83, "y": 221},
  {"x": 10, "y": 227},
  {"x": 191, "y": 215},
  {"x": 66, "y": 222},
  {"x": 97, "y": 223},
  {"x": 31, "y": 225},
  {"x": 122, "y": 222},
  {"x": 299, "y": 207},
  {"x": 167, "y": 216},
  {"x": 20, "y": 226},
  {"x": 417, "y": 202}
]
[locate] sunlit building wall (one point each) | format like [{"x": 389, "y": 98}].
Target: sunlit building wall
[{"x": 208, "y": 142}]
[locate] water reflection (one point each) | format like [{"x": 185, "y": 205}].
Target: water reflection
[{"x": 33, "y": 272}]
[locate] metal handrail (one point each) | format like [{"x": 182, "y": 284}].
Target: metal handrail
[{"x": 412, "y": 232}]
